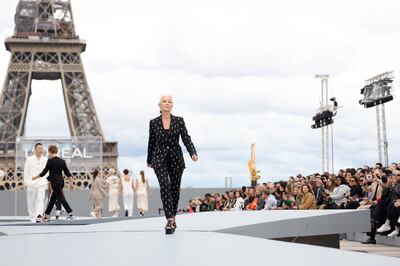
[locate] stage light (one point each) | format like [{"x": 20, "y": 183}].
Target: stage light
[
  {"x": 377, "y": 90},
  {"x": 325, "y": 117}
]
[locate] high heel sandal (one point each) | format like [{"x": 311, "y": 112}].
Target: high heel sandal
[
  {"x": 174, "y": 223},
  {"x": 170, "y": 228}
]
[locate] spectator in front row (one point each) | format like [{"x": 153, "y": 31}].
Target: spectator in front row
[
  {"x": 319, "y": 191},
  {"x": 239, "y": 203},
  {"x": 307, "y": 198},
  {"x": 392, "y": 218},
  {"x": 355, "y": 188},
  {"x": 339, "y": 193},
  {"x": 251, "y": 200},
  {"x": 379, "y": 212},
  {"x": 269, "y": 199},
  {"x": 297, "y": 195}
]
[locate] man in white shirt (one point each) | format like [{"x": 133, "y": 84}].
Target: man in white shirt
[
  {"x": 270, "y": 200},
  {"x": 35, "y": 189}
]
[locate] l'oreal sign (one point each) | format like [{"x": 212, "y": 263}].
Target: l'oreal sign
[
  {"x": 83, "y": 153},
  {"x": 65, "y": 153}
]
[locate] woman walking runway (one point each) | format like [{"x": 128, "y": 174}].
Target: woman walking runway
[
  {"x": 97, "y": 195},
  {"x": 113, "y": 184},
  {"x": 166, "y": 158},
  {"x": 127, "y": 192},
  {"x": 142, "y": 190}
]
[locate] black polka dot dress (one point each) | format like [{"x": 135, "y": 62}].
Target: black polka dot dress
[{"x": 165, "y": 156}]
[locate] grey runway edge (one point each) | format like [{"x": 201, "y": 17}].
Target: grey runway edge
[{"x": 201, "y": 239}]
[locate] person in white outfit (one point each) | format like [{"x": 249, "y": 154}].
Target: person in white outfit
[
  {"x": 113, "y": 184},
  {"x": 127, "y": 192},
  {"x": 339, "y": 193},
  {"x": 142, "y": 190},
  {"x": 239, "y": 202},
  {"x": 35, "y": 189}
]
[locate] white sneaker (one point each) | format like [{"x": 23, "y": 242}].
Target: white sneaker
[
  {"x": 58, "y": 213},
  {"x": 394, "y": 233},
  {"x": 385, "y": 227},
  {"x": 71, "y": 217},
  {"x": 93, "y": 215}
]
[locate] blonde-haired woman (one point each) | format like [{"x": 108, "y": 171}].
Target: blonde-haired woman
[
  {"x": 165, "y": 156},
  {"x": 142, "y": 190},
  {"x": 113, "y": 184},
  {"x": 307, "y": 198}
]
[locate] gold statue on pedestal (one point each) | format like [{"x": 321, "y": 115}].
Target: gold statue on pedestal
[{"x": 254, "y": 176}]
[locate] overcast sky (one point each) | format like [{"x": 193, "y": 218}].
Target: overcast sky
[{"x": 241, "y": 72}]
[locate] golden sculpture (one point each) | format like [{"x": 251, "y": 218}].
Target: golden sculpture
[{"x": 254, "y": 176}]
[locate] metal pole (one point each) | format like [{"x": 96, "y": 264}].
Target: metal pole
[
  {"x": 323, "y": 150},
  {"x": 385, "y": 142},
  {"x": 378, "y": 127},
  {"x": 333, "y": 167},
  {"x": 322, "y": 129}
]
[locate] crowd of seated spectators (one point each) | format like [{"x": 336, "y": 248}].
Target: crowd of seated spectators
[{"x": 375, "y": 188}]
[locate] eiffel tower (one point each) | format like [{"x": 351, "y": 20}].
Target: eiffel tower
[{"x": 45, "y": 47}]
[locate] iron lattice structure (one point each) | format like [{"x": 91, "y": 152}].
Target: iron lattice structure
[{"x": 45, "y": 47}]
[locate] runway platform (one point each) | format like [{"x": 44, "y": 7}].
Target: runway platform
[{"x": 212, "y": 238}]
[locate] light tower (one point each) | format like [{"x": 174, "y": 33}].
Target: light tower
[
  {"x": 376, "y": 92},
  {"x": 324, "y": 120}
]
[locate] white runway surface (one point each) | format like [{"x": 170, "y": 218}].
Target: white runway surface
[{"x": 197, "y": 241}]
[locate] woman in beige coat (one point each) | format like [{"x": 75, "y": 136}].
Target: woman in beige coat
[
  {"x": 97, "y": 195},
  {"x": 307, "y": 198}
]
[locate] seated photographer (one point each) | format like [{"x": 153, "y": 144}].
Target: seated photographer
[
  {"x": 371, "y": 184},
  {"x": 307, "y": 198}
]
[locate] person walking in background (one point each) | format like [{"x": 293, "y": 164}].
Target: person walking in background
[
  {"x": 165, "y": 156},
  {"x": 97, "y": 195},
  {"x": 142, "y": 191},
  {"x": 127, "y": 192},
  {"x": 35, "y": 189},
  {"x": 56, "y": 167},
  {"x": 113, "y": 184}
]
